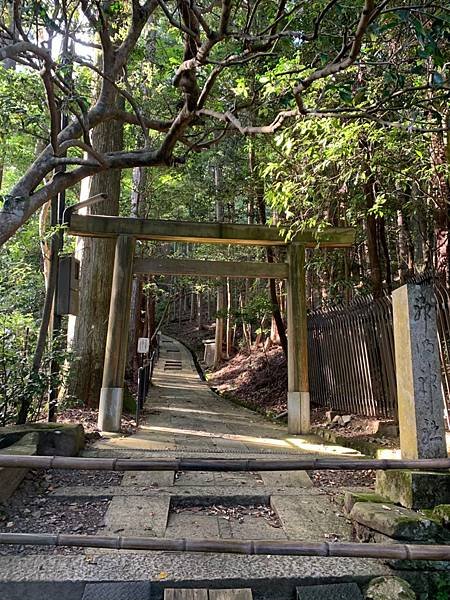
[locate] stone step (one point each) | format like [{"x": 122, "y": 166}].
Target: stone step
[
  {"x": 334, "y": 591},
  {"x": 147, "y": 515},
  {"x": 397, "y": 522},
  {"x": 123, "y": 590}
]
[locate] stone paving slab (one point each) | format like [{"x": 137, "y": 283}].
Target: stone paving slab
[
  {"x": 243, "y": 594},
  {"x": 136, "y": 590},
  {"x": 186, "y": 594},
  {"x": 211, "y": 452},
  {"x": 41, "y": 590},
  {"x": 304, "y": 519},
  {"x": 337, "y": 591},
  {"x": 144, "y": 514},
  {"x": 283, "y": 479}
]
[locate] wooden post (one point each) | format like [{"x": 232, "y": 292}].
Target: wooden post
[
  {"x": 111, "y": 395},
  {"x": 298, "y": 386}
]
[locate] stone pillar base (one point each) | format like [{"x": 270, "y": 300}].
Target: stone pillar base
[
  {"x": 110, "y": 409},
  {"x": 414, "y": 489},
  {"x": 298, "y": 413}
]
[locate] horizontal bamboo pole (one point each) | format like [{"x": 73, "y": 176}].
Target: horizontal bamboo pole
[
  {"x": 220, "y": 464},
  {"x": 284, "y": 548}
]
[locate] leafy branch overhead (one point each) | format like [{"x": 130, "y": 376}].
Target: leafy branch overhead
[{"x": 191, "y": 73}]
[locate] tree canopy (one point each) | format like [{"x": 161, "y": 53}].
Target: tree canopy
[{"x": 193, "y": 73}]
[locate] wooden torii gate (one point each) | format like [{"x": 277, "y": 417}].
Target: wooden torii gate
[{"x": 126, "y": 230}]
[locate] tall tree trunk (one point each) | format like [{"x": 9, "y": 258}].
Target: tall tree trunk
[
  {"x": 136, "y": 327},
  {"x": 440, "y": 189},
  {"x": 199, "y": 310},
  {"x": 229, "y": 325},
  {"x": 97, "y": 259},
  {"x": 405, "y": 247},
  {"x": 218, "y": 338},
  {"x": 276, "y": 313},
  {"x": 180, "y": 308},
  {"x": 44, "y": 325},
  {"x": 372, "y": 226},
  {"x": 385, "y": 247},
  {"x": 220, "y": 303},
  {"x": 208, "y": 305},
  {"x": 192, "y": 307}
]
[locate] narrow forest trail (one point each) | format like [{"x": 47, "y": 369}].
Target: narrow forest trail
[{"x": 184, "y": 417}]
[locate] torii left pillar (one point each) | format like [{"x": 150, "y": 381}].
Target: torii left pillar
[
  {"x": 298, "y": 384},
  {"x": 111, "y": 394}
]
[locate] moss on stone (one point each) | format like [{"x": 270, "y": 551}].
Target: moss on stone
[
  {"x": 351, "y": 498},
  {"x": 397, "y": 522},
  {"x": 442, "y": 512},
  {"x": 414, "y": 489},
  {"x": 395, "y": 485}
]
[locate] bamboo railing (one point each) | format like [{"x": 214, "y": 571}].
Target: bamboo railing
[
  {"x": 220, "y": 464},
  {"x": 249, "y": 547}
]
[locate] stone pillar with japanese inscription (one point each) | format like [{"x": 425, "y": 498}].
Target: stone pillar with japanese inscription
[{"x": 419, "y": 388}]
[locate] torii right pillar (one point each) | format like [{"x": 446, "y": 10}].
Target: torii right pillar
[{"x": 298, "y": 385}]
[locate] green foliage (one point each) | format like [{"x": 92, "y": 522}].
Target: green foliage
[
  {"x": 21, "y": 280},
  {"x": 19, "y": 383},
  {"x": 256, "y": 312},
  {"x": 442, "y": 591},
  {"x": 369, "y": 121}
]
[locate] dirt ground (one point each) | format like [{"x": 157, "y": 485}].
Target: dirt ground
[
  {"x": 32, "y": 509},
  {"x": 88, "y": 418}
]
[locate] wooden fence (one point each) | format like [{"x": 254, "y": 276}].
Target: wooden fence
[{"x": 351, "y": 355}]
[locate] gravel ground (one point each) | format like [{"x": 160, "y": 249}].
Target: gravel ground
[
  {"x": 33, "y": 510},
  {"x": 331, "y": 481},
  {"x": 67, "y": 478}
]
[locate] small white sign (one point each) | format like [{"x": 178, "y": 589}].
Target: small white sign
[{"x": 143, "y": 345}]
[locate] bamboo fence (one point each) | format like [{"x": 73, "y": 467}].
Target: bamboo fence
[{"x": 351, "y": 354}]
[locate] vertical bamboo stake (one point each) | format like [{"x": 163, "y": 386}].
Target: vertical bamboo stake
[{"x": 298, "y": 385}]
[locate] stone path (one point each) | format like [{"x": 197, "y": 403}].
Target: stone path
[{"x": 183, "y": 416}]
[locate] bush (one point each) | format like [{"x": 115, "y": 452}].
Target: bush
[{"x": 20, "y": 385}]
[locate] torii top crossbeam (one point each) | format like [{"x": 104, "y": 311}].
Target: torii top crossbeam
[{"x": 210, "y": 233}]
